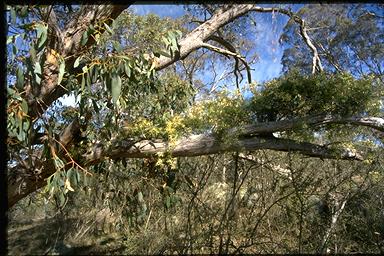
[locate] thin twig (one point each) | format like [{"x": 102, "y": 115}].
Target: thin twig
[{"x": 72, "y": 160}]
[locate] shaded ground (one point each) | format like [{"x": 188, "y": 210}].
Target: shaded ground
[{"x": 50, "y": 236}]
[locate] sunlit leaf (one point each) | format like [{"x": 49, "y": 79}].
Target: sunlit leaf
[
  {"x": 61, "y": 72},
  {"x": 165, "y": 40},
  {"x": 117, "y": 46},
  {"x": 178, "y": 33},
  {"x": 116, "y": 87},
  {"x": 127, "y": 69},
  {"x": 26, "y": 125},
  {"x": 123, "y": 57},
  {"x": 84, "y": 38},
  {"x": 37, "y": 71},
  {"x": 77, "y": 62},
  {"x": 42, "y": 32},
  {"x": 82, "y": 82},
  {"x": 108, "y": 28},
  {"x": 13, "y": 15},
  {"x": 9, "y": 39},
  {"x": 24, "y": 106},
  {"x": 59, "y": 164},
  {"x": 153, "y": 65},
  {"x": 20, "y": 78},
  {"x": 174, "y": 43},
  {"x": 24, "y": 11},
  {"x": 140, "y": 197},
  {"x": 67, "y": 185},
  {"x": 164, "y": 53},
  {"x": 21, "y": 134},
  {"x": 32, "y": 53}
]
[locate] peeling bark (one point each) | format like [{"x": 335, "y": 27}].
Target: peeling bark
[
  {"x": 375, "y": 123},
  {"x": 197, "y": 145}
]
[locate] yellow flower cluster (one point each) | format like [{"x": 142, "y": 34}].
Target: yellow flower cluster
[
  {"x": 175, "y": 128},
  {"x": 142, "y": 128}
]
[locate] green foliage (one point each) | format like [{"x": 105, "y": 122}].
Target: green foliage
[
  {"x": 217, "y": 115},
  {"x": 162, "y": 199},
  {"x": 18, "y": 124},
  {"x": 42, "y": 31},
  {"x": 129, "y": 80},
  {"x": 171, "y": 43},
  {"x": 160, "y": 105},
  {"x": 148, "y": 33},
  {"x": 295, "y": 95},
  {"x": 63, "y": 181},
  {"x": 291, "y": 96}
]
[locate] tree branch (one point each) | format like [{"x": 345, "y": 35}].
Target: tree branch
[
  {"x": 316, "y": 62},
  {"x": 194, "y": 40},
  {"x": 197, "y": 145},
  {"x": 375, "y": 123},
  {"x": 226, "y": 53},
  {"x": 55, "y": 38},
  {"x": 23, "y": 180},
  {"x": 21, "y": 185},
  {"x": 88, "y": 15},
  {"x": 209, "y": 144},
  {"x": 223, "y": 16},
  {"x": 232, "y": 52},
  {"x": 69, "y": 47}
]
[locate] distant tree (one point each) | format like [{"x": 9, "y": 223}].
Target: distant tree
[{"x": 349, "y": 38}]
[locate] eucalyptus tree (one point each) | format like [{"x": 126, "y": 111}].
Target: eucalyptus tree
[
  {"x": 132, "y": 105},
  {"x": 349, "y": 37}
]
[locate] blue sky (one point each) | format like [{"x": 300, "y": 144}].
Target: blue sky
[
  {"x": 265, "y": 35},
  {"x": 163, "y": 10}
]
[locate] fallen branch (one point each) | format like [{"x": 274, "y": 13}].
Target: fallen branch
[
  {"x": 375, "y": 123},
  {"x": 197, "y": 145}
]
